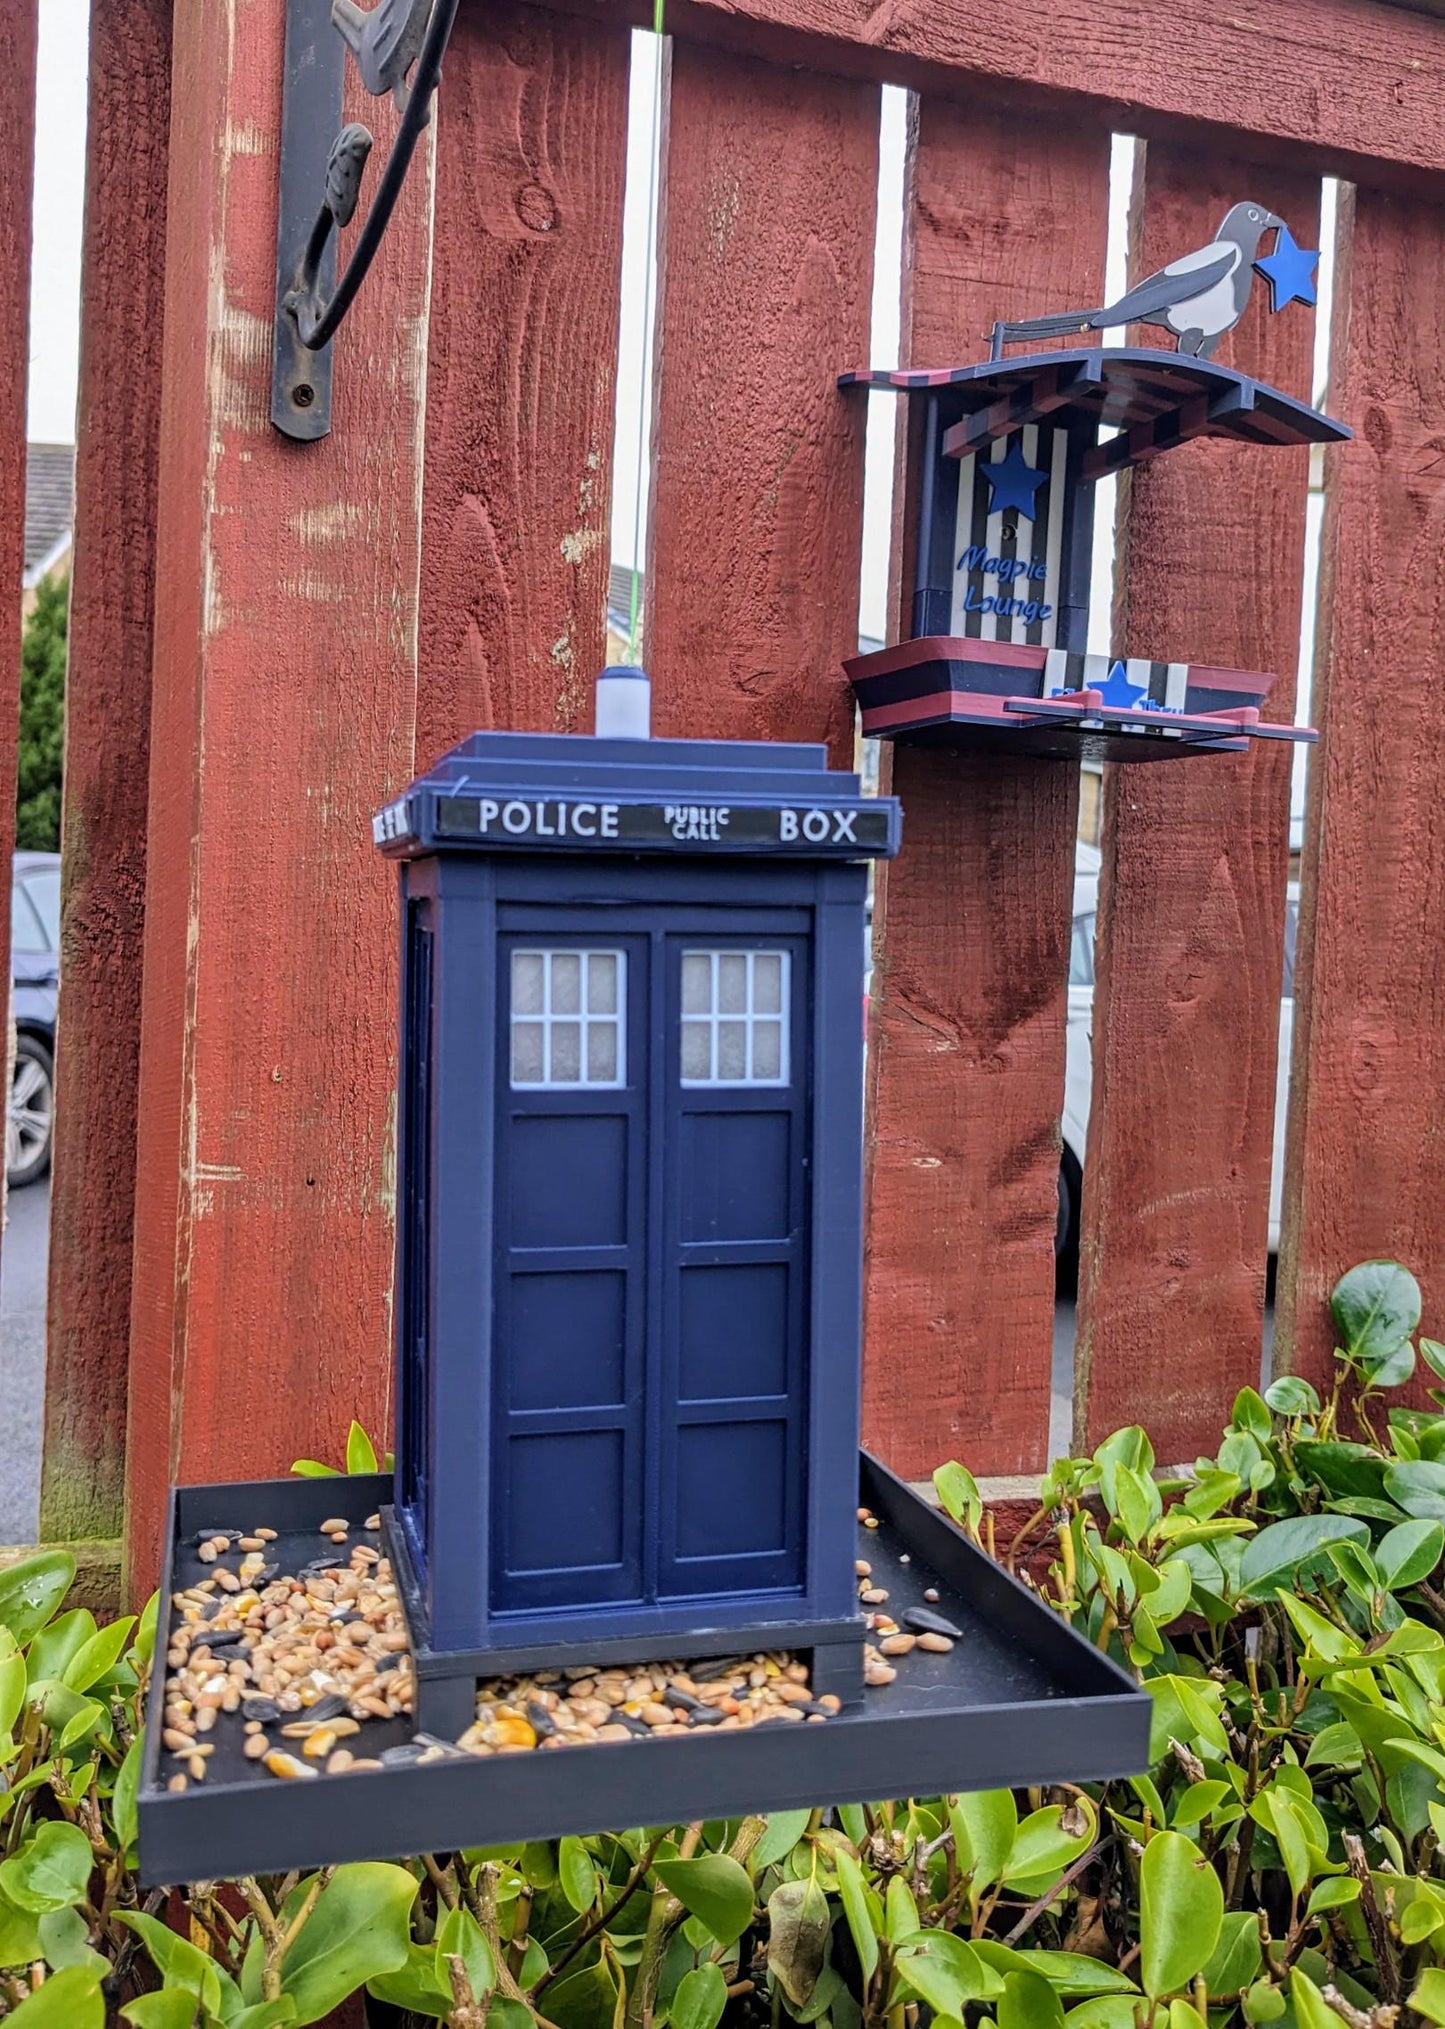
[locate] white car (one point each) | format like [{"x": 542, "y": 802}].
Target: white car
[{"x": 1078, "y": 1072}]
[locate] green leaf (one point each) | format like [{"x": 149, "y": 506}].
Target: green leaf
[
  {"x": 798, "y": 1927},
  {"x": 181, "y": 1964},
  {"x": 1028, "y": 2002},
  {"x": 1418, "y": 1485},
  {"x": 855, "y": 1908},
  {"x": 1311, "y": 2010},
  {"x": 1181, "y": 1907},
  {"x": 1108, "y": 2011},
  {"x": 51, "y": 1869},
  {"x": 1046, "y": 1847},
  {"x": 714, "y": 1887},
  {"x": 413, "y": 1985},
  {"x": 576, "y": 1874},
  {"x": 984, "y": 1827},
  {"x": 901, "y": 1911},
  {"x": 1333, "y": 1893},
  {"x": 55, "y": 1645},
  {"x": 1292, "y": 1396},
  {"x": 785, "y": 1828},
  {"x": 123, "y": 1798},
  {"x": 700, "y": 1999},
  {"x": 358, "y": 1928},
  {"x": 171, "y": 2008},
  {"x": 1197, "y": 1802},
  {"x": 1069, "y": 1972},
  {"x": 83, "y": 1721},
  {"x": 265, "y": 2015},
  {"x": 360, "y": 1451},
  {"x": 65, "y": 1940},
  {"x": 1251, "y": 1413},
  {"x": 97, "y": 1657},
  {"x": 1237, "y": 1955},
  {"x": 31, "y": 1591},
  {"x": 1428, "y": 1998},
  {"x": 1275, "y": 1555},
  {"x": 1264, "y": 2003},
  {"x": 958, "y": 1495},
  {"x": 945, "y": 1971},
  {"x": 1409, "y": 1553},
  {"x": 1184, "y": 2015},
  {"x": 312, "y": 1468},
  {"x": 12, "y": 1687},
  {"x": 459, "y": 1936},
  {"x": 1376, "y": 1307},
  {"x": 145, "y": 1634},
  {"x": 19, "y": 1934},
  {"x": 69, "y": 2000}
]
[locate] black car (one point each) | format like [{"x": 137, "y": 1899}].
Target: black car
[{"x": 34, "y": 977}]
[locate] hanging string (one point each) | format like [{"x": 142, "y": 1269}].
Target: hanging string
[{"x": 634, "y": 640}]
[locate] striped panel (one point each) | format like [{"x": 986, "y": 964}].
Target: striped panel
[
  {"x": 1160, "y": 685},
  {"x": 1006, "y": 558}
]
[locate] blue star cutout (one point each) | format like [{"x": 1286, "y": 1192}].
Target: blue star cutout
[
  {"x": 1289, "y": 270},
  {"x": 1013, "y": 482},
  {"x": 1117, "y": 691}
]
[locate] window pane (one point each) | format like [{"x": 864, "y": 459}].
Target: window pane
[
  {"x": 768, "y": 983},
  {"x": 527, "y": 982},
  {"x": 527, "y": 1053},
  {"x": 732, "y": 995},
  {"x": 44, "y": 891},
  {"x": 566, "y": 982},
  {"x": 566, "y": 1067},
  {"x": 696, "y": 982},
  {"x": 696, "y": 1050},
  {"x": 732, "y": 1050},
  {"x": 601, "y": 1053},
  {"x": 602, "y": 983},
  {"x": 767, "y": 1050}
]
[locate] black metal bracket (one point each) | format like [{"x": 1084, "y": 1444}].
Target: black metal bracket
[{"x": 387, "y": 41}]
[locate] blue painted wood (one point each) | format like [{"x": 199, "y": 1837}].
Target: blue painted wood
[{"x": 628, "y": 1397}]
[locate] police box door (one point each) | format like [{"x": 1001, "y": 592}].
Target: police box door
[{"x": 650, "y": 1316}]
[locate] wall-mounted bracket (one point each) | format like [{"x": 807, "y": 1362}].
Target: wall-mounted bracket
[{"x": 386, "y": 42}]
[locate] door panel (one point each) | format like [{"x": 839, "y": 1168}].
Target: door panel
[
  {"x": 734, "y": 1267},
  {"x": 571, "y": 1273}
]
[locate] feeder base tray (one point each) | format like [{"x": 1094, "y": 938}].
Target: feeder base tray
[{"x": 1019, "y": 1699}]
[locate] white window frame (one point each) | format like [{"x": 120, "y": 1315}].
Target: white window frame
[
  {"x": 750, "y": 1016},
  {"x": 547, "y": 1019}
]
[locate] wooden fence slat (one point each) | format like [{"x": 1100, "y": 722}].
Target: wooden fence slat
[
  {"x": 107, "y": 739},
  {"x": 764, "y": 279},
  {"x": 283, "y": 715},
  {"x": 521, "y": 365},
  {"x": 1190, "y": 943},
  {"x": 18, "y": 36},
  {"x": 1365, "y": 1172},
  {"x": 972, "y": 922},
  {"x": 1343, "y": 87}
]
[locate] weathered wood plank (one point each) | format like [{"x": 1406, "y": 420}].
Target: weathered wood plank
[
  {"x": 1190, "y": 940},
  {"x": 972, "y": 923},
  {"x": 284, "y": 713},
  {"x": 1365, "y": 1171},
  {"x": 764, "y": 279},
  {"x": 521, "y": 364},
  {"x": 1340, "y": 87},
  {"x": 107, "y": 728}
]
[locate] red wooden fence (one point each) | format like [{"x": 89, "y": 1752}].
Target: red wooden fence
[{"x": 267, "y": 638}]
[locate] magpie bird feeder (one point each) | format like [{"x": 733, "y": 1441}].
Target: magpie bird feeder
[
  {"x": 627, "y": 1323},
  {"x": 1012, "y": 450}
]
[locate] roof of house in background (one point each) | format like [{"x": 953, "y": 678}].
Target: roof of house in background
[{"x": 49, "y": 505}]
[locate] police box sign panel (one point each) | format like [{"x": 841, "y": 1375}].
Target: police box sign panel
[{"x": 831, "y": 829}]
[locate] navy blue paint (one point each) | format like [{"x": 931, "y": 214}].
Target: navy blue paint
[{"x": 633, "y": 1411}]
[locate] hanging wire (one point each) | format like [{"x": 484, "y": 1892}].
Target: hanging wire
[{"x": 634, "y": 640}]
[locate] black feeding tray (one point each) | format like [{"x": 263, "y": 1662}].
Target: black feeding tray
[{"x": 1021, "y": 1699}]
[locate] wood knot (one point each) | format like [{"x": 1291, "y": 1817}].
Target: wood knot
[{"x": 536, "y": 207}]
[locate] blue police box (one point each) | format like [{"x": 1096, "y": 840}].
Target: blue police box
[{"x": 629, "y": 1209}]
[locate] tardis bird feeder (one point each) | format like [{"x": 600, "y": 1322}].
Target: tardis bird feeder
[
  {"x": 1012, "y": 449},
  {"x": 627, "y": 1411},
  {"x": 628, "y": 1354}
]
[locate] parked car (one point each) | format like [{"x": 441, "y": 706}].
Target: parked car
[
  {"x": 1078, "y": 1073},
  {"x": 34, "y": 977}
]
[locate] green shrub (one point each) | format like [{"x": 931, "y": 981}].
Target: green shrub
[
  {"x": 1280, "y": 1863},
  {"x": 42, "y": 719}
]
